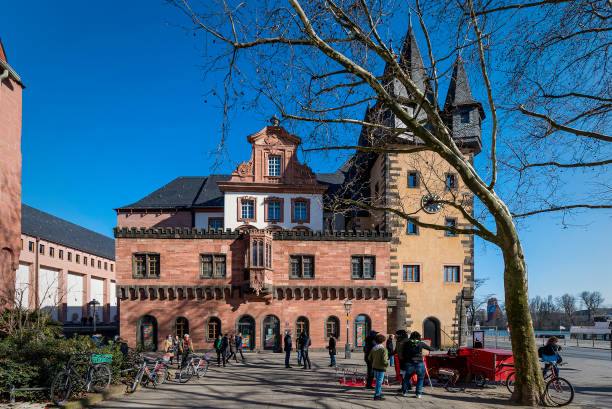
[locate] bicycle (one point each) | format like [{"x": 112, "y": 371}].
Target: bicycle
[
  {"x": 156, "y": 376},
  {"x": 558, "y": 389},
  {"x": 199, "y": 368},
  {"x": 97, "y": 377}
]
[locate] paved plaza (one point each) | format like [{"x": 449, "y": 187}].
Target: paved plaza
[{"x": 263, "y": 382}]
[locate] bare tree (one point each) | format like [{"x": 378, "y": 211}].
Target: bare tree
[
  {"x": 320, "y": 64},
  {"x": 567, "y": 304},
  {"x": 591, "y": 300},
  {"x": 542, "y": 310},
  {"x": 478, "y": 302}
]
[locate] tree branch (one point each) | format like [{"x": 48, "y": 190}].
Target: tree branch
[
  {"x": 564, "y": 128},
  {"x": 561, "y": 208}
]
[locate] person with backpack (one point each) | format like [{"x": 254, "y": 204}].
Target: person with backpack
[
  {"x": 218, "y": 342},
  {"x": 331, "y": 348},
  {"x": 549, "y": 353},
  {"x": 367, "y": 348},
  {"x": 185, "y": 348},
  {"x": 304, "y": 345},
  {"x": 379, "y": 360},
  {"x": 287, "y": 347},
  {"x": 413, "y": 356},
  {"x": 239, "y": 346}
]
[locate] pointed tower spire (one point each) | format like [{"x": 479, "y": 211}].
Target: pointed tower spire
[
  {"x": 459, "y": 92},
  {"x": 412, "y": 61}
]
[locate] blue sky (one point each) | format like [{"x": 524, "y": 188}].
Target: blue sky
[{"x": 116, "y": 106}]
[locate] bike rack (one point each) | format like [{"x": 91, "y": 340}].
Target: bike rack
[{"x": 13, "y": 389}]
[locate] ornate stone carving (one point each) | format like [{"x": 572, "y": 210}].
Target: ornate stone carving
[
  {"x": 271, "y": 140},
  {"x": 245, "y": 168}
]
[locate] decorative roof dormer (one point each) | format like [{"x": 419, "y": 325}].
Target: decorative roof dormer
[{"x": 273, "y": 162}]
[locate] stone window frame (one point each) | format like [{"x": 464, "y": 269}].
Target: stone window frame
[
  {"x": 338, "y": 331},
  {"x": 362, "y": 257},
  {"x": 419, "y": 265},
  {"x": 60, "y": 254},
  {"x": 300, "y": 200},
  {"x": 99, "y": 263},
  {"x": 85, "y": 261},
  {"x": 455, "y": 179},
  {"x": 148, "y": 262},
  {"x": 417, "y": 179},
  {"x": 77, "y": 258},
  {"x": 31, "y": 246},
  {"x": 207, "y": 332},
  {"x": 106, "y": 265},
  {"x": 301, "y": 275},
  {"x": 246, "y": 198},
  {"x": 444, "y": 273},
  {"x": 213, "y": 274},
  {"x": 418, "y": 230},
  {"x": 453, "y": 220},
  {"x": 267, "y": 164},
  {"x": 216, "y": 218},
  {"x": 111, "y": 267},
  {"x": 69, "y": 255},
  {"x": 267, "y": 201}
]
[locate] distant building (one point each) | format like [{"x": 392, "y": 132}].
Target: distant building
[
  {"x": 10, "y": 176},
  {"x": 495, "y": 316},
  {"x": 63, "y": 267}
]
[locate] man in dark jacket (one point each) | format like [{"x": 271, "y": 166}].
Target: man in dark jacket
[
  {"x": 218, "y": 342},
  {"x": 413, "y": 355},
  {"x": 331, "y": 347},
  {"x": 304, "y": 345},
  {"x": 288, "y": 347},
  {"x": 401, "y": 337},
  {"x": 225, "y": 349},
  {"x": 367, "y": 348}
]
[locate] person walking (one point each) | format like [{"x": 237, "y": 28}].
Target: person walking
[
  {"x": 390, "y": 349},
  {"x": 367, "y": 348},
  {"x": 232, "y": 348},
  {"x": 331, "y": 348},
  {"x": 287, "y": 347},
  {"x": 402, "y": 336},
  {"x": 413, "y": 354},
  {"x": 239, "y": 346},
  {"x": 218, "y": 342},
  {"x": 225, "y": 349},
  {"x": 298, "y": 347},
  {"x": 177, "y": 345},
  {"x": 379, "y": 360},
  {"x": 186, "y": 347},
  {"x": 304, "y": 345},
  {"x": 169, "y": 347}
]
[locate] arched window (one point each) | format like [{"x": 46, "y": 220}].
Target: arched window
[
  {"x": 213, "y": 328},
  {"x": 181, "y": 327},
  {"x": 363, "y": 324},
  {"x": 146, "y": 333},
  {"x": 246, "y": 327},
  {"x": 332, "y": 327},
  {"x": 301, "y": 325}
]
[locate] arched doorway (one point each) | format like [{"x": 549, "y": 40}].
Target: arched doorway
[
  {"x": 146, "y": 333},
  {"x": 431, "y": 330},
  {"x": 181, "y": 327},
  {"x": 246, "y": 326},
  {"x": 271, "y": 333},
  {"x": 363, "y": 325},
  {"x": 301, "y": 325}
]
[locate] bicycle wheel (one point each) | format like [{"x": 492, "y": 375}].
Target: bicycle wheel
[
  {"x": 560, "y": 391},
  {"x": 480, "y": 379},
  {"x": 137, "y": 379},
  {"x": 61, "y": 387},
  {"x": 160, "y": 376},
  {"x": 185, "y": 374},
  {"x": 100, "y": 377},
  {"x": 510, "y": 382},
  {"x": 203, "y": 369}
]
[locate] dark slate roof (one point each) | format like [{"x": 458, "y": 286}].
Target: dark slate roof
[
  {"x": 48, "y": 227},
  {"x": 210, "y": 195},
  {"x": 459, "y": 92},
  {"x": 181, "y": 192},
  {"x": 412, "y": 61}
]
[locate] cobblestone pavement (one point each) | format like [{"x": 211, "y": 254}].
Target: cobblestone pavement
[{"x": 263, "y": 382}]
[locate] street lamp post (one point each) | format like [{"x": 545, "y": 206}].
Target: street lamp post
[
  {"x": 347, "y": 347},
  {"x": 94, "y": 303}
]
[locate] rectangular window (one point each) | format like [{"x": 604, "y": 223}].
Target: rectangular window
[
  {"x": 274, "y": 210},
  {"x": 105, "y": 265},
  {"x": 248, "y": 209},
  {"x": 60, "y": 254},
  {"x": 274, "y": 165},
  {"x": 451, "y": 274},
  {"x": 21, "y": 244},
  {"x": 41, "y": 248},
  {"x": 300, "y": 211},
  {"x": 215, "y": 223},
  {"x": 451, "y": 181},
  {"x": 413, "y": 179},
  {"x": 465, "y": 117},
  {"x": 78, "y": 258},
  {"x": 363, "y": 267},
  {"x": 99, "y": 263},
  {"x": 51, "y": 252},
  {"x": 145, "y": 265},
  {"x": 92, "y": 262},
  {"x": 69, "y": 256},
  {"x": 450, "y": 223},
  {"x": 112, "y": 268},
  {"x": 268, "y": 255},
  {"x": 412, "y": 228},
  {"x": 301, "y": 267},
  {"x": 412, "y": 273},
  {"x": 212, "y": 265},
  {"x": 31, "y": 245}
]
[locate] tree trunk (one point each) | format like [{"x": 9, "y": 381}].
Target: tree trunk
[{"x": 529, "y": 389}]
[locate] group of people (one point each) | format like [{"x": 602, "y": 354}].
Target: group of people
[
  {"x": 227, "y": 347},
  {"x": 178, "y": 348},
  {"x": 378, "y": 355},
  {"x": 302, "y": 346}
]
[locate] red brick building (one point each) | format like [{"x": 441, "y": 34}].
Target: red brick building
[
  {"x": 10, "y": 177},
  {"x": 246, "y": 253}
]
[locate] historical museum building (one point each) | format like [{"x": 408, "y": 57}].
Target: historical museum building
[
  {"x": 68, "y": 271},
  {"x": 10, "y": 176},
  {"x": 264, "y": 250}
]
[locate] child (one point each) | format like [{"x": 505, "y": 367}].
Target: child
[{"x": 379, "y": 358}]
